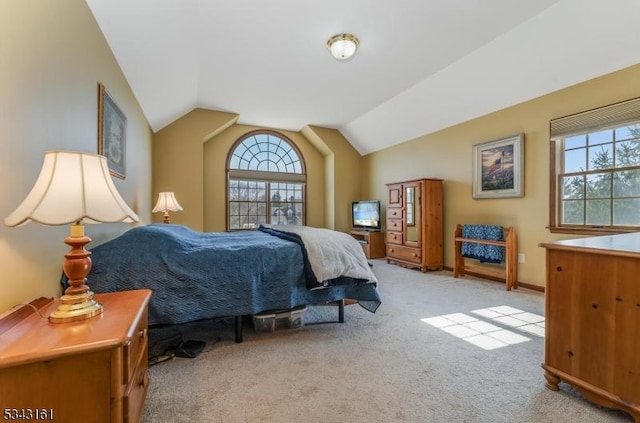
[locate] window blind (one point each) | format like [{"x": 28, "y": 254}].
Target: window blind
[{"x": 600, "y": 118}]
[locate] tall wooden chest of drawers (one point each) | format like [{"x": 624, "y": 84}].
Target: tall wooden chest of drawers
[{"x": 414, "y": 224}]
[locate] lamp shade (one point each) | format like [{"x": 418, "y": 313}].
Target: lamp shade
[
  {"x": 343, "y": 46},
  {"x": 72, "y": 187},
  {"x": 166, "y": 202}
]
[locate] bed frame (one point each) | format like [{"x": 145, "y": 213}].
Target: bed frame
[{"x": 238, "y": 323}]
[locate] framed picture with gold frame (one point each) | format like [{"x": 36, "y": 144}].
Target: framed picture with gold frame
[
  {"x": 498, "y": 168},
  {"x": 112, "y": 133}
]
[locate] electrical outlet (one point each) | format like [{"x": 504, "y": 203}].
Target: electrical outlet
[{"x": 520, "y": 257}]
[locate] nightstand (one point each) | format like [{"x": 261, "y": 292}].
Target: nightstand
[
  {"x": 372, "y": 242},
  {"x": 92, "y": 370}
]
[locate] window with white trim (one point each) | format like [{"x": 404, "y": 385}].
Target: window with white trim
[
  {"x": 266, "y": 182},
  {"x": 595, "y": 168}
]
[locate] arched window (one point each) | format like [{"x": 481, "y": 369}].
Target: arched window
[{"x": 265, "y": 182}]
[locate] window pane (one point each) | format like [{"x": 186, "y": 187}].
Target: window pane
[
  {"x": 575, "y": 160},
  {"x": 627, "y": 184},
  {"x": 625, "y": 212},
  {"x": 627, "y": 132},
  {"x": 599, "y": 185},
  {"x": 572, "y": 187},
  {"x": 599, "y": 178},
  {"x": 255, "y": 149},
  {"x": 573, "y": 212},
  {"x": 264, "y": 152},
  {"x": 601, "y": 137},
  {"x": 278, "y": 166},
  {"x": 628, "y": 153},
  {"x": 601, "y": 157},
  {"x": 235, "y": 162},
  {"x": 250, "y": 222},
  {"x": 286, "y": 203},
  {"x": 234, "y": 193},
  {"x": 254, "y": 202},
  {"x": 575, "y": 142},
  {"x": 598, "y": 212}
]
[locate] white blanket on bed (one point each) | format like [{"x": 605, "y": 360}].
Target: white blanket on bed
[{"x": 331, "y": 253}]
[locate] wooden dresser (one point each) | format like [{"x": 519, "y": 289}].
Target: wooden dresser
[
  {"x": 592, "y": 307},
  {"x": 92, "y": 370},
  {"x": 414, "y": 224}
]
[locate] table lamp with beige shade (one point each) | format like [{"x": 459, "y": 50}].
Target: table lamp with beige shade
[
  {"x": 73, "y": 188},
  {"x": 166, "y": 202}
]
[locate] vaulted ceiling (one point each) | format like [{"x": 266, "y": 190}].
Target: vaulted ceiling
[{"x": 422, "y": 65}]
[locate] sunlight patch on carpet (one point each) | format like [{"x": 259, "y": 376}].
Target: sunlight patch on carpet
[{"x": 488, "y": 330}]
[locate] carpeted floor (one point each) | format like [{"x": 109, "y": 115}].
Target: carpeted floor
[{"x": 437, "y": 350}]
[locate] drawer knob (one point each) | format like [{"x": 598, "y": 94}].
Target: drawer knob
[
  {"x": 559, "y": 268},
  {"x": 143, "y": 380},
  {"x": 415, "y": 255},
  {"x": 392, "y": 250}
]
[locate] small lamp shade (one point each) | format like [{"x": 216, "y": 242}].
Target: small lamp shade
[
  {"x": 166, "y": 202},
  {"x": 73, "y": 188}
]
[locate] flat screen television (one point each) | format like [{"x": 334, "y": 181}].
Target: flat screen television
[{"x": 366, "y": 215}]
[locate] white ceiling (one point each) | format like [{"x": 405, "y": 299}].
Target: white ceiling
[{"x": 423, "y": 65}]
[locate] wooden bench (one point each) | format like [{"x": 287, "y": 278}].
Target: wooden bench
[{"x": 510, "y": 271}]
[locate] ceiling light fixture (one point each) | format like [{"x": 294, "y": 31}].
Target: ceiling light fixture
[{"x": 343, "y": 46}]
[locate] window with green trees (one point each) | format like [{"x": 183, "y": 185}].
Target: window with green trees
[
  {"x": 597, "y": 171},
  {"x": 265, "y": 182},
  {"x": 600, "y": 181}
]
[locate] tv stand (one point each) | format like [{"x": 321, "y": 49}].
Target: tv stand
[{"x": 372, "y": 242}]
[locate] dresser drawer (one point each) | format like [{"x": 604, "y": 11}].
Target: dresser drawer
[
  {"x": 136, "y": 392},
  {"x": 405, "y": 253},
  {"x": 136, "y": 348},
  {"x": 394, "y": 225},
  {"x": 394, "y": 237},
  {"x": 394, "y": 213}
]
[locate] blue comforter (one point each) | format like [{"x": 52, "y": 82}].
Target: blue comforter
[{"x": 197, "y": 275}]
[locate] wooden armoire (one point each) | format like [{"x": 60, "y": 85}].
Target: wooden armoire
[{"x": 414, "y": 224}]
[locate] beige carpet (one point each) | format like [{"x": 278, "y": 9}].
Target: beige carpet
[{"x": 438, "y": 349}]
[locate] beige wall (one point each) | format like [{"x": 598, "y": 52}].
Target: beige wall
[
  {"x": 343, "y": 174},
  {"x": 178, "y": 165},
  {"x": 53, "y": 56},
  {"x": 448, "y": 154},
  {"x": 190, "y": 158}
]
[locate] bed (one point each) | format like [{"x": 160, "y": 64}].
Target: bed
[{"x": 203, "y": 275}]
